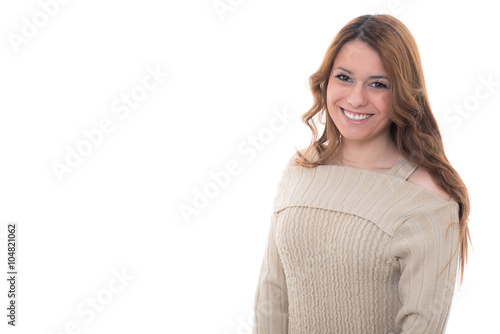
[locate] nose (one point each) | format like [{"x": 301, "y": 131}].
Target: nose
[{"x": 356, "y": 96}]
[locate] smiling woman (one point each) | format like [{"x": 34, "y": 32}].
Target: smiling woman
[
  {"x": 369, "y": 224},
  {"x": 358, "y": 94}
]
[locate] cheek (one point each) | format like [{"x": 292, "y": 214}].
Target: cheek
[
  {"x": 382, "y": 102},
  {"x": 333, "y": 93}
]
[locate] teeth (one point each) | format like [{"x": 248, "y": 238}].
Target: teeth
[{"x": 355, "y": 117}]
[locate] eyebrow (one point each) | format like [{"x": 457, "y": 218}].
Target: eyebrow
[{"x": 370, "y": 77}]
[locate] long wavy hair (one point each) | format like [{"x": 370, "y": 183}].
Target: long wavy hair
[{"x": 414, "y": 128}]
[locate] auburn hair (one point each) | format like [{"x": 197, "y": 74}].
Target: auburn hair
[{"x": 414, "y": 128}]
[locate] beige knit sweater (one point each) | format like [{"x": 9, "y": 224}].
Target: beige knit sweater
[{"x": 356, "y": 251}]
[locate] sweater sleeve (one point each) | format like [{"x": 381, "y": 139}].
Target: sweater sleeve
[
  {"x": 271, "y": 297},
  {"x": 423, "y": 245}
]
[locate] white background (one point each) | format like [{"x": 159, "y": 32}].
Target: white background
[{"x": 228, "y": 75}]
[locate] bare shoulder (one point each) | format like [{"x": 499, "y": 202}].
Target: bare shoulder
[
  {"x": 292, "y": 162},
  {"x": 423, "y": 178}
]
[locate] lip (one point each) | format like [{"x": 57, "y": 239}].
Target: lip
[{"x": 348, "y": 120}]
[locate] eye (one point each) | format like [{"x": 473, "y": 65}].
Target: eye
[
  {"x": 342, "y": 77},
  {"x": 379, "y": 84}
]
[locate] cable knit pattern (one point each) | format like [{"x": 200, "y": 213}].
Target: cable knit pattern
[{"x": 356, "y": 251}]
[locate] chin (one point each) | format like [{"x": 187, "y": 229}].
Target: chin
[{"x": 355, "y": 137}]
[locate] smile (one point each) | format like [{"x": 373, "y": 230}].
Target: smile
[{"x": 355, "y": 117}]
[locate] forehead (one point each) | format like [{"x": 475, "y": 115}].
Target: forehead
[{"x": 359, "y": 58}]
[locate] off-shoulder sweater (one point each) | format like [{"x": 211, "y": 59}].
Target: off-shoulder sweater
[{"x": 352, "y": 250}]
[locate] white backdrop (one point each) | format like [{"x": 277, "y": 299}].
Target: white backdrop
[{"x": 116, "y": 115}]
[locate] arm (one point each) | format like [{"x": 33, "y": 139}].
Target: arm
[
  {"x": 271, "y": 297},
  {"x": 423, "y": 245}
]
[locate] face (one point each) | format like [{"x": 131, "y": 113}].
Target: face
[{"x": 358, "y": 93}]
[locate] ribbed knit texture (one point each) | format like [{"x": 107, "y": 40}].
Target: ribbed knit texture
[{"x": 356, "y": 251}]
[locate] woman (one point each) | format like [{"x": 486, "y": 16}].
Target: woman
[{"x": 370, "y": 221}]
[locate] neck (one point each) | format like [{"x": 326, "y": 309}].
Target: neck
[{"x": 380, "y": 153}]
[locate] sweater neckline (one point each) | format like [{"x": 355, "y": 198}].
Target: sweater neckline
[
  {"x": 396, "y": 170},
  {"x": 402, "y": 169}
]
